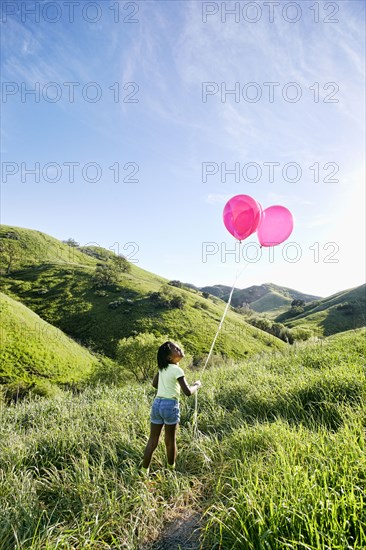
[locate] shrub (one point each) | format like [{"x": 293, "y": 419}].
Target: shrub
[
  {"x": 296, "y": 303},
  {"x": 276, "y": 329},
  {"x": 166, "y": 297},
  {"x": 121, "y": 264},
  {"x": 95, "y": 252},
  {"x": 178, "y": 302},
  {"x": 115, "y": 304},
  {"x": 101, "y": 293},
  {"x": 200, "y": 305},
  {"x": 178, "y": 284},
  {"x": 105, "y": 275},
  {"x": 44, "y": 388}
]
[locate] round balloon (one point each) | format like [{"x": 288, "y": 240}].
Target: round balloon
[
  {"x": 275, "y": 226},
  {"x": 241, "y": 216}
]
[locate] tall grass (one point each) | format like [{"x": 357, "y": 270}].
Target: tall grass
[
  {"x": 291, "y": 487},
  {"x": 279, "y": 461},
  {"x": 69, "y": 472}
]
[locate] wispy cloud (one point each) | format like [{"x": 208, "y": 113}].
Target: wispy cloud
[{"x": 30, "y": 59}]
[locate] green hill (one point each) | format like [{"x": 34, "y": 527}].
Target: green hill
[
  {"x": 60, "y": 289},
  {"x": 32, "y": 349},
  {"x": 272, "y": 301},
  {"x": 340, "y": 312},
  {"x": 261, "y": 298},
  {"x": 268, "y": 297}
]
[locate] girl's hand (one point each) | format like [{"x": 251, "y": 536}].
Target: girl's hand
[{"x": 198, "y": 383}]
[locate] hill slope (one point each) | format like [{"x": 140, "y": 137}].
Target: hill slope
[
  {"x": 32, "y": 349},
  {"x": 63, "y": 294},
  {"x": 21, "y": 248},
  {"x": 261, "y": 298},
  {"x": 340, "y": 312}
]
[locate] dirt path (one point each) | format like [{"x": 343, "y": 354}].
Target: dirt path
[{"x": 180, "y": 534}]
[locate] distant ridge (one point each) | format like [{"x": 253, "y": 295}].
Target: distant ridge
[{"x": 261, "y": 298}]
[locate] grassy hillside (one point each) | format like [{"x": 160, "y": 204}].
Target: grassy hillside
[
  {"x": 29, "y": 247},
  {"x": 262, "y": 298},
  {"x": 279, "y": 461},
  {"x": 270, "y": 302},
  {"x": 33, "y": 350},
  {"x": 64, "y": 295},
  {"x": 340, "y": 312},
  {"x": 276, "y": 296}
]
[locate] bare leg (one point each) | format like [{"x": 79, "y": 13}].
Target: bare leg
[
  {"x": 155, "y": 430},
  {"x": 170, "y": 442}
]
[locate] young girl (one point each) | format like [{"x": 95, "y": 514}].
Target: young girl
[{"x": 165, "y": 408}]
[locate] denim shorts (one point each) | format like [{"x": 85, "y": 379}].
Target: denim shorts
[{"x": 165, "y": 411}]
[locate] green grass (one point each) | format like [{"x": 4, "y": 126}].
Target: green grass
[
  {"x": 34, "y": 248},
  {"x": 32, "y": 350},
  {"x": 279, "y": 461},
  {"x": 271, "y": 301},
  {"x": 291, "y": 488}
]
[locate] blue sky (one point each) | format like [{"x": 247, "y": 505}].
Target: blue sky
[{"x": 170, "y": 50}]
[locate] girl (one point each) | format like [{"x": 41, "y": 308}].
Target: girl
[{"x": 165, "y": 408}]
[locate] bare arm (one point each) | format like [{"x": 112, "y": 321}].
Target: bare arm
[
  {"x": 188, "y": 390},
  {"x": 155, "y": 381}
]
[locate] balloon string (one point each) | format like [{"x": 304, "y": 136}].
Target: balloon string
[{"x": 195, "y": 430}]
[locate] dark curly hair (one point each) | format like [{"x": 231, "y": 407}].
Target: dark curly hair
[{"x": 164, "y": 355}]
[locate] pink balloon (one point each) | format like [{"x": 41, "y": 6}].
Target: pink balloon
[
  {"x": 276, "y": 225},
  {"x": 241, "y": 216}
]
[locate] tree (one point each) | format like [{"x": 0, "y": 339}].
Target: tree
[
  {"x": 137, "y": 354},
  {"x": 299, "y": 303},
  {"x": 10, "y": 255},
  {"x": 71, "y": 242},
  {"x": 178, "y": 284},
  {"x": 105, "y": 275},
  {"x": 276, "y": 329},
  {"x": 121, "y": 263},
  {"x": 178, "y": 302},
  {"x": 166, "y": 297}
]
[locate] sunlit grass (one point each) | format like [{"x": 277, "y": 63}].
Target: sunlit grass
[{"x": 279, "y": 461}]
